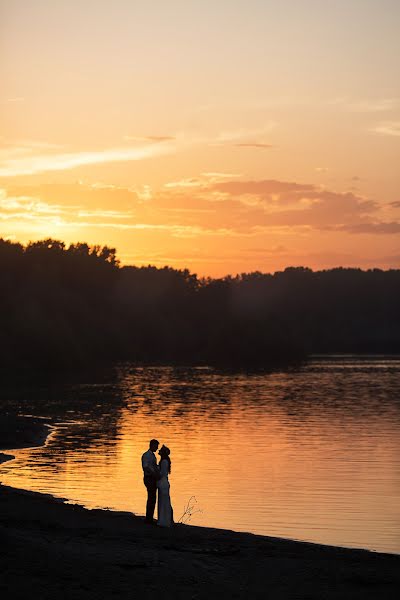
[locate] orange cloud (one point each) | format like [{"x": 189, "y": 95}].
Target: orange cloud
[{"x": 199, "y": 204}]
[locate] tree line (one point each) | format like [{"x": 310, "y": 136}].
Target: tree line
[{"x": 63, "y": 305}]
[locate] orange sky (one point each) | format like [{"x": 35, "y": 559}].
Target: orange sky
[{"x": 223, "y": 137}]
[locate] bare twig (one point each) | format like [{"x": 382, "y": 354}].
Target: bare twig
[{"x": 189, "y": 510}]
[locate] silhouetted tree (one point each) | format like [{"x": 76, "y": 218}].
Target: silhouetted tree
[{"x": 65, "y": 304}]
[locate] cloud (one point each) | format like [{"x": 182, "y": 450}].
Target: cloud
[
  {"x": 185, "y": 183},
  {"x": 80, "y": 195},
  {"x": 367, "y": 105},
  {"x": 374, "y": 228},
  {"x": 395, "y": 204},
  {"x": 236, "y": 225},
  {"x": 149, "y": 138},
  {"x": 198, "y": 206},
  {"x": 274, "y": 203},
  {"x": 103, "y": 214},
  {"x": 283, "y": 192},
  {"x": 160, "y": 138},
  {"x": 22, "y": 208},
  {"x": 215, "y": 175},
  {"x": 262, "y": 187},
  {"x": 391, "y": 128},
  {"x": 236, "y": 135},
  {"x": 23, "y": 148},
  {"x": 15, "y": 206},
  {"x": 40, "y": 163},
  {"x": 259, "y": 145},
  {"x": 272, "y": 250},
  {"x": 31, "y": 157},
  {"x": 203, "y": 181}
]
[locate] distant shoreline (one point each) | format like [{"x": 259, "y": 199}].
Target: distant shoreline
[
  {"x": 390, "y": 355},
  {"x": 245, "y": 321}
]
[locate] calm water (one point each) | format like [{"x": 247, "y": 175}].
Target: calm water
[{"x": 311, "y": 453}]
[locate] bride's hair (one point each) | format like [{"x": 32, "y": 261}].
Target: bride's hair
[{"x": 164, "y": 452}]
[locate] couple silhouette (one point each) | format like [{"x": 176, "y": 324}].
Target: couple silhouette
[{"x": 155, "y": 477}]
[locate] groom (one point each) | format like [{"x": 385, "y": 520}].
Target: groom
[{"x": 151, "y": 475}]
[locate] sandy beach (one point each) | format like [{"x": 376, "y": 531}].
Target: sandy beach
[{"x": 51, "y": 549}]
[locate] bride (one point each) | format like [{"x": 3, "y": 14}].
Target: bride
[{"x": 164, "y": 501}]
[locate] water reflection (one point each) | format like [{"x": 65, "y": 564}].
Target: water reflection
[{"x": 310, "y": 453}]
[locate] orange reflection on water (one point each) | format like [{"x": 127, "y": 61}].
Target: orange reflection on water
[{"x": 260, "y": 453}]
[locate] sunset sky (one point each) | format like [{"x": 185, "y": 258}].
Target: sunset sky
[{"x": 221, "y": 136}]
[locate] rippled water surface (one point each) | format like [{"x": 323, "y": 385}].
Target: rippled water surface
[{"x": 311, "y": 453}]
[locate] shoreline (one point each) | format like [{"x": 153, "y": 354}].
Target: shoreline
[
  {"x": 17, "y": 433},
  {"x": 57, "y": 548},
  {"x": 5, "y": 457},
  {"x": 34, "y": 432}
]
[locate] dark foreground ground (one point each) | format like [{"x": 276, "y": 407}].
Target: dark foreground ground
[{"x": 51, "y": 550}]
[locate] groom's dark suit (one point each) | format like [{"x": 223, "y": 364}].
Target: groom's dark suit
[{"x": 150, "y": 471}]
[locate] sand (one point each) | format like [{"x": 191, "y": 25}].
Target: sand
[{"x": 51, "y": 550}]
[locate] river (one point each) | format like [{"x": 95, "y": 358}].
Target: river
[{"x": 309, "y": 453}]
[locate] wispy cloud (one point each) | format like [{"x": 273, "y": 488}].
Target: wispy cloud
[
  {"x": 149, "y": 138},
  {"x": 391, "y": 128},
  {"x": 216, "y": 175},
  {"x": 239, "y": 136},
  {"x": 185, "y": 183},
  {"x": 259, "y": 145},
  {"x": 374, "y": 228},
  {"x": 15, "y": 206},
  {"x": 366, "y": 105},
  {"x": 263, "y": 187},
  {"x": 24, "y": 148},
  {"x": 40, "y": 163},
  {"x": 104, "y": 214},
  {"x": 30, "y": 157}
]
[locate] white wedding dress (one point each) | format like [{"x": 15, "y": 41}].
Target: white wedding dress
[{"x": 164, "y": 500}]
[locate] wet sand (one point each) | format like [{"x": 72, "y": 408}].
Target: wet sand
[{"x": 50, "y": 549}]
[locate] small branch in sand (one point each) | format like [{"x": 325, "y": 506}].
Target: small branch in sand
[{"x": 189, "y": 510}]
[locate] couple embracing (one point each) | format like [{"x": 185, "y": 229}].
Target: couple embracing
[{"x": 156, "y": 478}]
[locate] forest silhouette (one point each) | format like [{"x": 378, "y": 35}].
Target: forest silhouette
[{"x": 66, "y": 305}]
